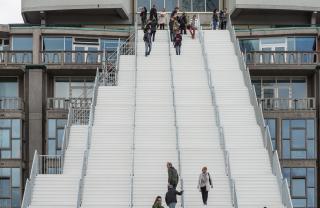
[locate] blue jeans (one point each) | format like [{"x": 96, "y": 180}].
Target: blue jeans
[
  {"x": 214, "y": 24},
  {"x": 172, "y": 205}
]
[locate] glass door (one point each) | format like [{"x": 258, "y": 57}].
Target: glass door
[
  {"x": 87, "y": 54},
  {"x": 273, "y": 44}
]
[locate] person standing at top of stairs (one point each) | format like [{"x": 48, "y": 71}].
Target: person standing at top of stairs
[
  {"x": 147, "y": 38},
  {"x": 204, "y": 184},
  {"x": 193, "y": 27},
  {"x": 173, "y": 177},
  {"x": 154, "y": 13},
  {"x": 143, "y": 15}
]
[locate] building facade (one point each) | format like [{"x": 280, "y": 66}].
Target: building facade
[{"x": 51, "y": 60}]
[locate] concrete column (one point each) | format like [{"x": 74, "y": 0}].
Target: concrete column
[
  {"x": 36, "y": 92},
  {"x": 36, "y": 46}
]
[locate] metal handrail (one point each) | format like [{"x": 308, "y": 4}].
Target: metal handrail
[
  {"x": 273, "y": 155},
  {"x": 88, "y": 139},
  {"x": 30, "y": 181},
  {"x": 175, "y": 120},
  {"x": 287, "y": 103},
  {"x": 233, "y": 191},
  {"x": 134, "y": 114}
]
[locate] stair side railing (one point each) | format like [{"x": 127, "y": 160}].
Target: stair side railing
[
  {"x": 134, "y": 113},
  {"x": 210, "y": 73},
  {"x": 88, "y": 139},
  {"x": 27, "y": 195},
  {"x": 273, "y": 154},
  {"x": 110, "y": 71},
  {"x": 175, "y": 119}
]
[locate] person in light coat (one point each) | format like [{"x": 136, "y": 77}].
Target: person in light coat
[
  {"x": 162, "y": 19},
  {"x": 204, "y": 184}
]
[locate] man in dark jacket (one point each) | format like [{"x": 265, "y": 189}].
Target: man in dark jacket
[
  {"x": 173, "y": 177},
  {"x": 171, "y": 28},
  {"x": 154, "y": 24},
  {"x": 171, "y": 197},
  {"x": 143, "y": 15},
  {"x": 147, "y": 39},
  {"x": 153, "y": 13},
  {"x": 183, "y": 23}
]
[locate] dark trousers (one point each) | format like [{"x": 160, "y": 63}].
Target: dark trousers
[
  {"x": 161, "y": 26},
  {"x": 183, "y": 30},
  {"x": 204, "y": 194},
  {"x": 153, "y": 34},
  {"x": 171, "y": 35},
  {"x": 178, "y": 49}
]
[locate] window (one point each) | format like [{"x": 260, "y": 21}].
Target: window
[
  {"x": 55, "y": 135},
  {"x": 298, "y": 139},
  {"x": 281, "y": 92},
  {"x": 73, "y": 87},
  {"x": 10, "y": 138},
  {"x": 184, "y": 5},
  {"x": 8, "y": 87},
  {"x": 56, "y": 44},
  {"x": 302, "y": 183},
  {"x": 22, "y": 43},
  {"x": 10, "y": 186},
  {"x": 271, "y": 123}
]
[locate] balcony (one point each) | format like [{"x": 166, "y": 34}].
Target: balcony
[
  {"x": 287, "y": 104},
  {"x": 94, "y": 58},
  {"x": 11, "y": 104},
  {"x": 283, "y": 58},
  {"x": 63, "y": 103},
  {"x": 15, "y": 57}
]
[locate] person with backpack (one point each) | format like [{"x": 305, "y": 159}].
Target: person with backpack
[
  {"x": 173, "y": 177},
  {"x": 183, "y": 23},
  {"x": 147, "y": 39},
  {"x": 154, "y": 24},
  {"x": 215, "y": 19},
  {"x": 171, "y": 196},
  {"x": 177, "y": 42},
  {"x": 153, "y": 13},
  {"x": 157, "y": 202},
  {"x": 204, "y": 184},
  {"x": 143, "y": 15}
]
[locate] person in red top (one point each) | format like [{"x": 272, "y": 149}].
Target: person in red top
[{"x": 177, "y": 42}]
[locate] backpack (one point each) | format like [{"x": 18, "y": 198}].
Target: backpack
[
  {"x": 175, "y": 177},
  {"x": 145, "y": 36}
]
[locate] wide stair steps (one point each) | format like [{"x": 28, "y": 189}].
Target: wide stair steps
[
  {"x": 61, "y": 190},
  {"x": 250, "y": 165},
  {"x": 108, "y": 176},
  {"x": 155, "y": 133},
  {"x": 198, "y": 133}
]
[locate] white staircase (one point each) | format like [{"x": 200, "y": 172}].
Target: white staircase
[
  {"x": 198, "y": 133},
  {"x": 250, "y": 164},
  {"x": 61, "y": 190},
  {"x": 107, "y": 180},
  {"x": 155, "y": 132}
]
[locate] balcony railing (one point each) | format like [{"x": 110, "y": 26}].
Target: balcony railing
[
  {"x": 72, "y": 57},
  {"x": 15, "y": 57},
  {"x": 11, "y": 103},
  {"x": 283, "y": 57},
  {"x": 63, "y": 103},
  {"x": 271, "y": 104}
]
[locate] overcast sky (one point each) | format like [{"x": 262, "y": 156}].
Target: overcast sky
[{"x": 10, "y": 12}]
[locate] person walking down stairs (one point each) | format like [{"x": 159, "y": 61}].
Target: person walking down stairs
[
  {"x": 147, "y": 40},
  {"x": 171, "y": 196},
  {"x": 178, "y": 42},
  {"x": 158, "y": 202},
  {"x": 204, "y": 184},
  {"x": 154, "y": 24},
  {"x": 173, "y": 177},
  {"x": 154, "y": 13}
]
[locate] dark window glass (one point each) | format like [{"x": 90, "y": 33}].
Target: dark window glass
[
  {"x": 22, "y": 43},
  {"x": 298, "y": 187},
  {"x": 4, "y": 138},
  {"x": 5, "y": 203},
  {"x": 298, "y": 123},
  {"x": 52, "y": 147},
  {"x": 285, "y": 149},
  {"x": 16, "y": 200},
  {"x": 212, "y": 5},
  {"x": 298, "y": 139},
  {"x": 299, "y": 203},
  {"x": 257, "y": 87},
  {"x": 53, "y": 43},
  {"x": 305, "y": 43},
  {"x": 311, "y": 177},
  {"x": 60, "y": 138},
  {"x": 171, "y": 4},
  {"x": 52, "y": 128},
  {"x": 16, "y": 149},
  {"x": 310, "y": 129},
  {"x": 5, "y": 187},
  {"x": 249, "y": 45},
  {"x": 198, "y": 5},
  {"x": 299, "y": 89},
  {"x": 8, "y": 87},
  {"x": 185, "y": 5},
  {"x": 5, "y": 123},
  {"x": 159, "y": 4},
  {"x": 16, "y": 131},
  {"x": 5, "y": 172},
  {"x": 15, "y": 177},
  {"x": 311, "y": 197},
  {"x": 144, "y": 3}
]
